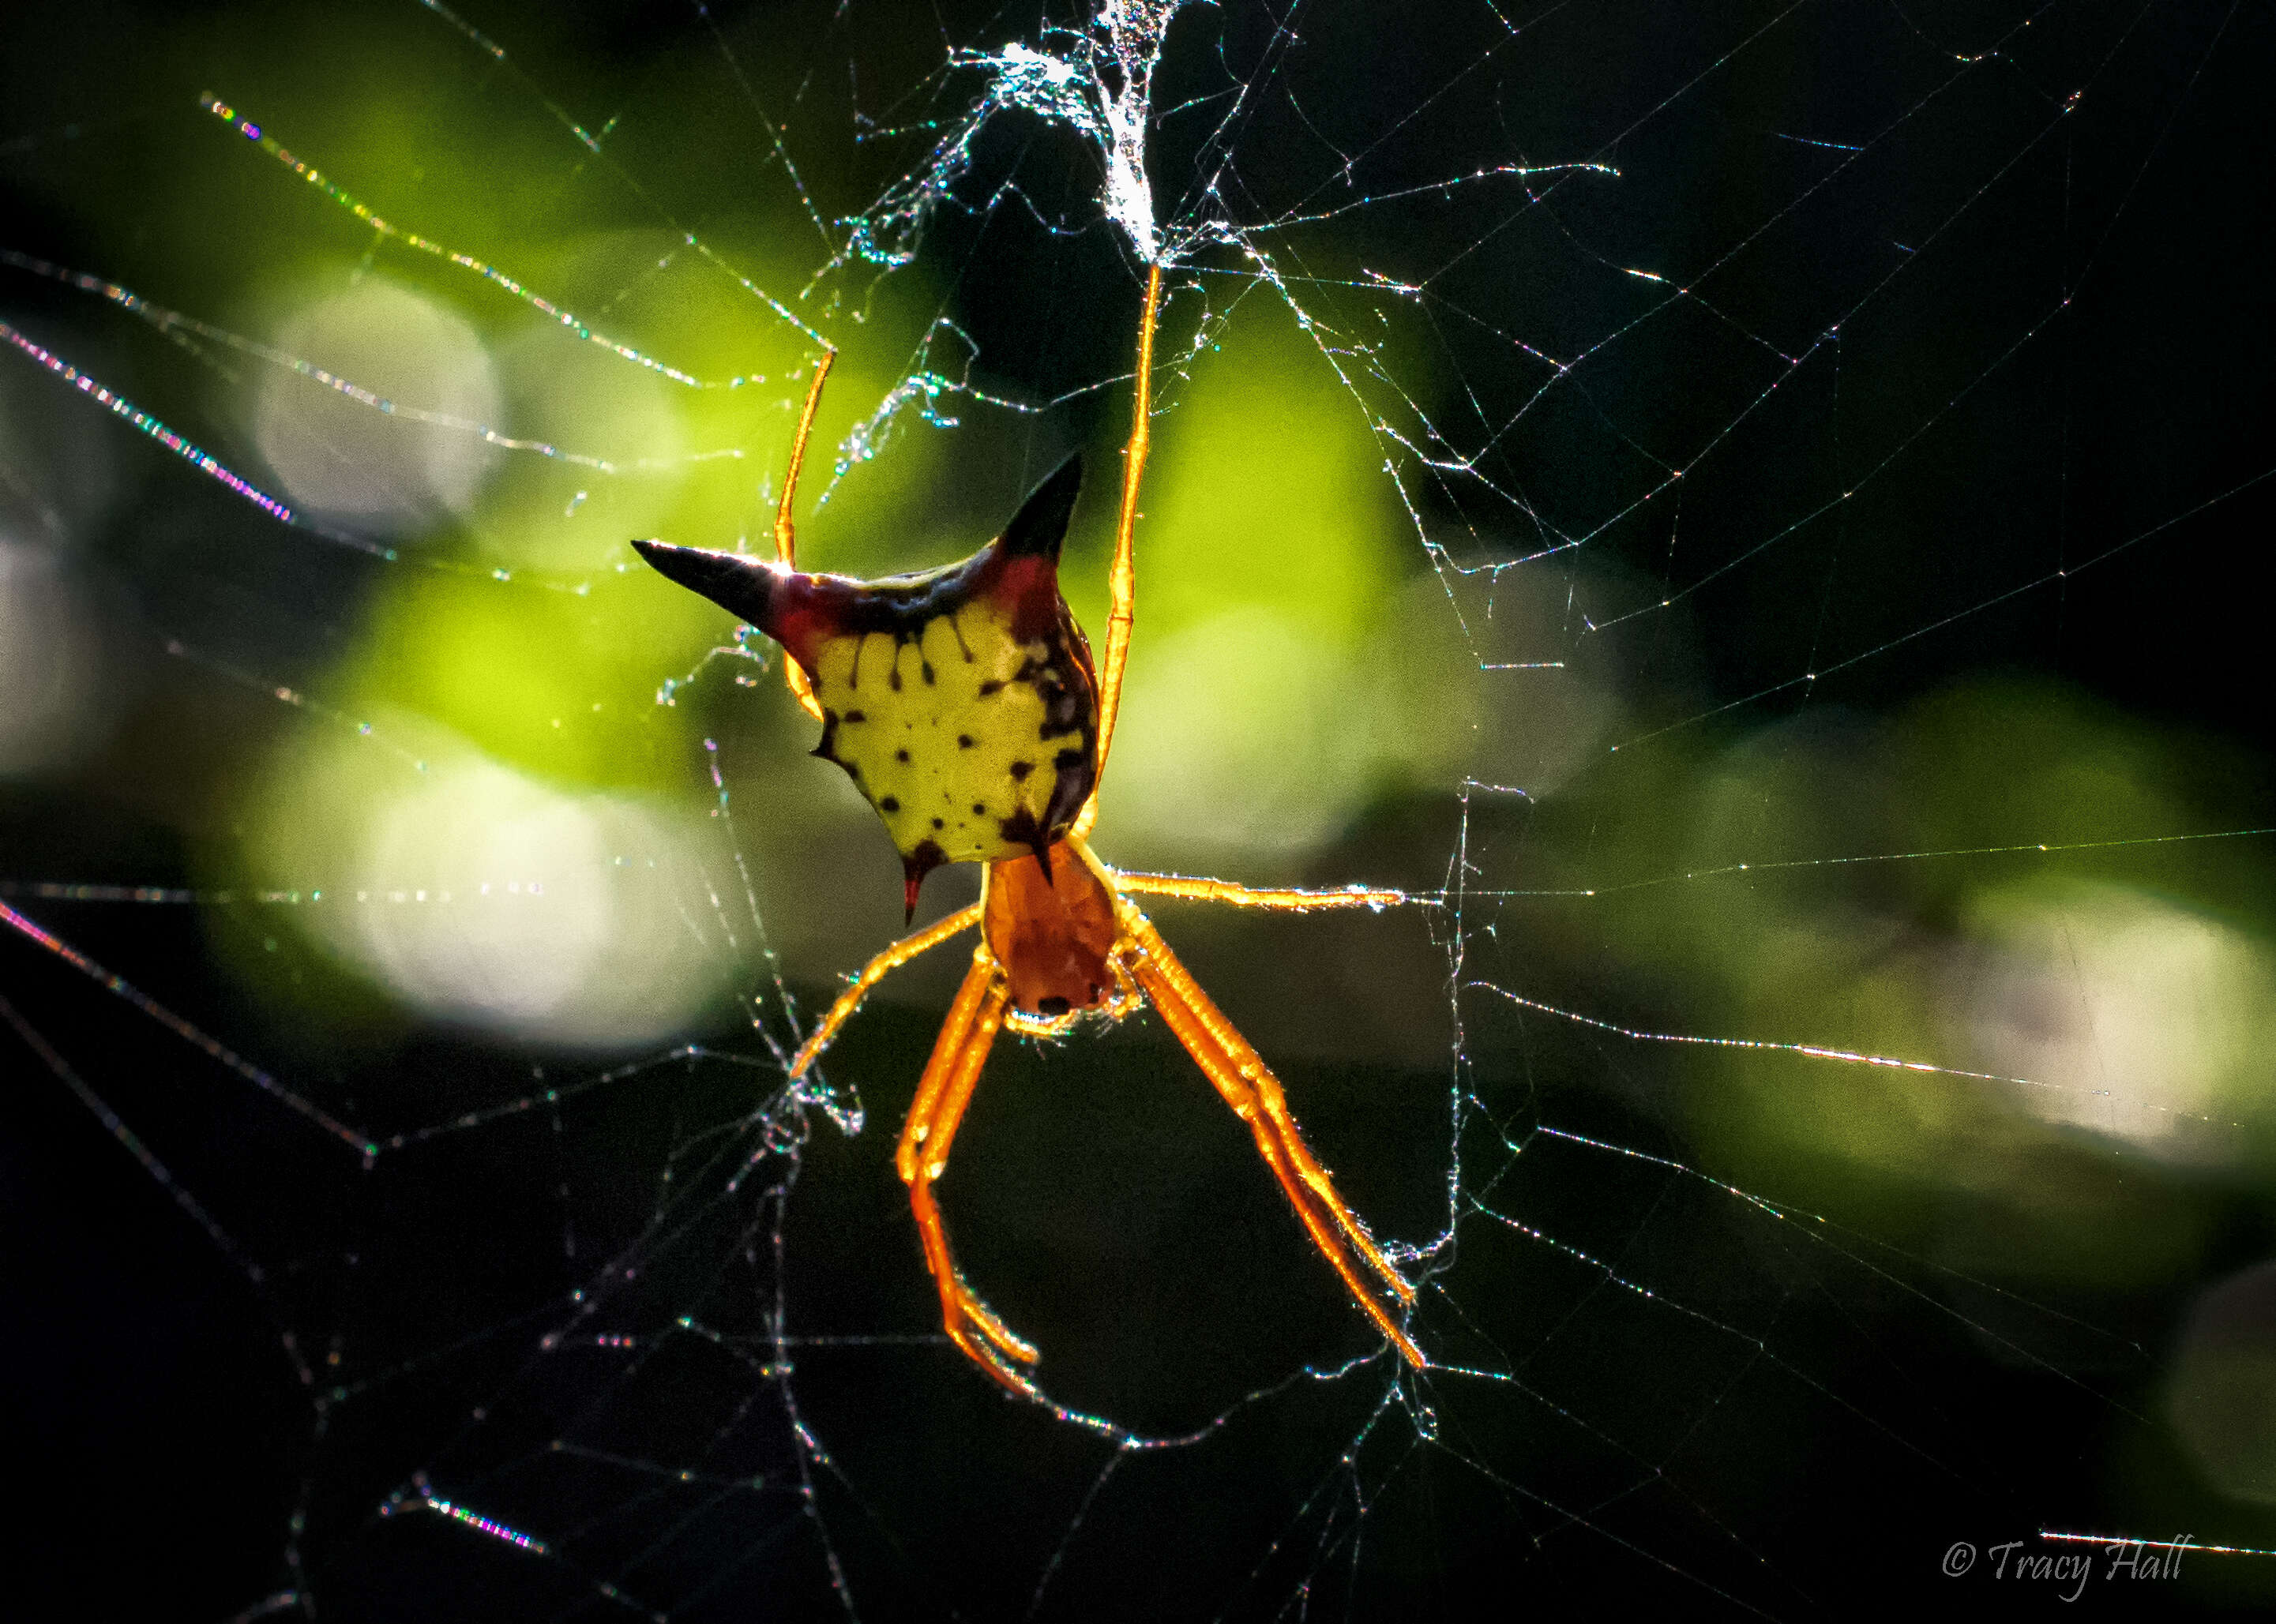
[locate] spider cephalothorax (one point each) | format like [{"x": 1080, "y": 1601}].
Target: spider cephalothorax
[{"x": 961, "y": 701}]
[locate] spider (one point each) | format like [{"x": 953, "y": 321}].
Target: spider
[{"x": 964, "y": 704}]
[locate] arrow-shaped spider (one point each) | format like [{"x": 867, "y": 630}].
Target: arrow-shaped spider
[{"x": 964, "y": 704}]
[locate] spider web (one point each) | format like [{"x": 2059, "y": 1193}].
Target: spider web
[{"x": 1736, "y": 512}]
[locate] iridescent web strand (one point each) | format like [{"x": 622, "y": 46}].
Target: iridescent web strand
[
  {"x": 206, "y": 463},
  {"x": 489, "y": 273},
  {"x": 172, "y": 321}
]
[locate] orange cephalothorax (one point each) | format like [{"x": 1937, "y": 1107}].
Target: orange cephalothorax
[
  {"x": 960, "y": 701},
  {"x": 1051, "y": 930}
]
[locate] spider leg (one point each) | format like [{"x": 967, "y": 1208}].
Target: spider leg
[
  {"x": 1249, "y": 1086},
  {"x": 950, "y": 1077},
  {"x": 1122, "y": 578},
  {"x": 785, "y": 531},
  {"x": 1288, "y": 899},
  {"x": 875, "y": 971}
]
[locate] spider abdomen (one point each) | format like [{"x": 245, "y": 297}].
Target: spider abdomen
[
  {"x": 961, "y": 701},
  {"x": 971, "y": 745}
]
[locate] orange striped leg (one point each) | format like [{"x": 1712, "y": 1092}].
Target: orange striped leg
[
  {"x": 875, "y": 971},
  {"x": 950, "y": 1077},
  {"x": 1285, "y": 898},
  {"x": 786, "y": 532},
  {"x": 1246, "y": 1069},
  {"x": 1249, "y": 1087},
  {"x": 1122, "y": 574}
]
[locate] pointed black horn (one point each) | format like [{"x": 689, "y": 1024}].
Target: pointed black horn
[
  {"x": 742, "y": 585},
  {"x": 914, "y": 866},
  {"x": 1040, "y": 526}
]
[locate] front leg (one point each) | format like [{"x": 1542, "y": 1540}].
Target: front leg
[
  {"x": 950, "y": 1077},
  {"x": 1246, "y": 1084},
  {"x": 1283, "y": 899},
  {"x": 877, "y": 969}
]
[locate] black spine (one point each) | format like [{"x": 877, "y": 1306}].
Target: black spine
[
  {"x": 743, "y": 587},
  {"x": 1040, "y": 526}
]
